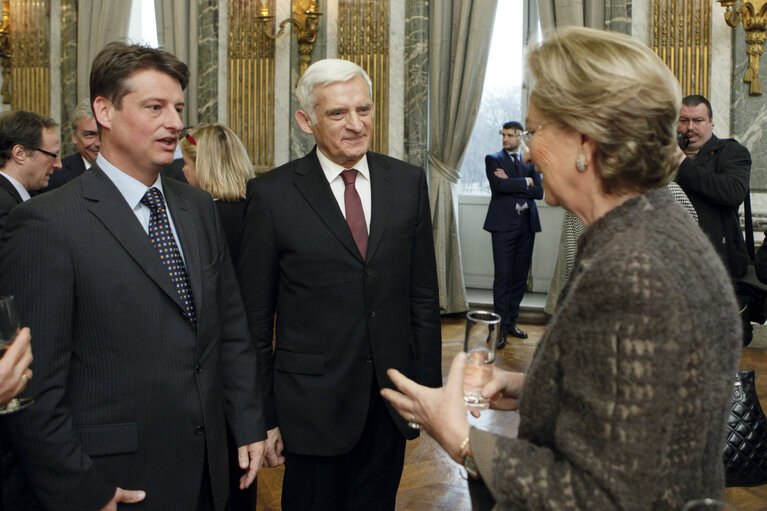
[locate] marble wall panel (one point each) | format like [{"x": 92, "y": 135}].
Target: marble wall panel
[
  {"x": 749, "y": 113},
  {"x": 207, "y": 53},
  {"x": 68, "y": 95},
  {"x": 415, "y": 102},
  {"x": 618, "y": 16}
]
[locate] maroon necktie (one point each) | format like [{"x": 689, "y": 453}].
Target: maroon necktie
[{"x": 355, "y": 217}]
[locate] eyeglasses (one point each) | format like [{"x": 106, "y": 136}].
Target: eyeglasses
[
  {"x": 52, "y": 155},
  {"x": 527, "y": 135}
]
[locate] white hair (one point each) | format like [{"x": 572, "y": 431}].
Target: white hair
[{"x": 322, "y": 73}]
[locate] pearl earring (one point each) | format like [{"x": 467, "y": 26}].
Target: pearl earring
[{"x": 580, "y": 163}]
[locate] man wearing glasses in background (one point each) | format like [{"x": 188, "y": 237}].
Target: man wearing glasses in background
[
  {"x": 29, "y": 154},
  {"x": 512, "y": 221}
]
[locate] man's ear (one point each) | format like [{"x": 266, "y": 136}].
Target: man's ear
[
  {"x": 304, "y": 122},
  {"x": 102, "y": 111},
  {"x": 18, "y": 153}
]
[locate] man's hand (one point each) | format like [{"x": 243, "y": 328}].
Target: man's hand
[
  {"x": 251, "y": 457},
  {"x": 125, "y": 497},
  {"x": 274, "y": 447},
  {"x": 501, "y": 174},
  {"x": 14, "y": 372}
]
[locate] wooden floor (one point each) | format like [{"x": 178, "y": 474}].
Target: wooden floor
[{"x": 431, "y": 481}]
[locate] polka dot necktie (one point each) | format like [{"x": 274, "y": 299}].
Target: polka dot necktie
[
  {"x": 355, "y": 217},
  {"x": 162, "y": 238}
]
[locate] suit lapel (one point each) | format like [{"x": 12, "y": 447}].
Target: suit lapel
[
  {"x": 314, "y": 187},
  {"x": 380, "y": 193},
  {"x": 105, "y": 201},
  {"x": 8, "y": 187},
  {"x": 187, "y": 236}
]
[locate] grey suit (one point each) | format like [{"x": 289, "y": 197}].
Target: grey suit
[{"x": 128, "y": 393}]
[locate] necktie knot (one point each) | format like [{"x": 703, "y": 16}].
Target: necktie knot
[
  {"x": 349, "y": 176},
  {"x": 153, "y": 199}
]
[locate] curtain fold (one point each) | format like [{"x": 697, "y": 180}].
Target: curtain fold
[
  {"x": 98, "y": 22},
  {"x": 459, "y": 41},
  {"x": 580, "y": 13},
  {"x": 177, "y": 32}
]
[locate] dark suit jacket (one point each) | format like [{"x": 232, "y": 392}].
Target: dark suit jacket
[
  {"x": 9, "y": 199},
  {"x": 128, "y": 392},
  {"x": 501, "y": 213},
  {"x": 341, "y": 320},
  {"x": 72, "y": 166},
  {"x": 716, "y": 182}
]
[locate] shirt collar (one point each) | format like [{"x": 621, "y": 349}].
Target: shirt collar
[
  {"x": 23, "y": 193},
  {"x": 332, "y": 169},
  {"x": 130, "y": 188}
]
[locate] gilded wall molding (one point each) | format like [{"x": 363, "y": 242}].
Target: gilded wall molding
[{"x": 30, "y": 55}]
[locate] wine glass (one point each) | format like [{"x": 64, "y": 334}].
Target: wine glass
[
  {"x": 9, "y": 327},
  {"x": 482, "y": 329}
]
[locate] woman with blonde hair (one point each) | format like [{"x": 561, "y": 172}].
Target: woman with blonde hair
[
  {"x": 625, "y": 401},
  {"x": 216, "y": 161}
]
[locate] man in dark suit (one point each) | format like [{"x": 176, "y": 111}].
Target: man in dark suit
[
  {"x": 85, "y": 137},
  {"x": 142, "y": 355},
  {"x": 716, "y": 175},
  {"x": 29, "y": 155},
  {"x": 512, "y": 220},
  {"x": 339, "y": 245}
]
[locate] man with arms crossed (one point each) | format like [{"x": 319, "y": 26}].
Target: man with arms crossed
[
  {"x": 349, "y": 270},
  {"x": 512, "y": 221},
  {"x": 142, "y": 355}
]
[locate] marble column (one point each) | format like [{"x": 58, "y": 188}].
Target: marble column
[
  {"x": 68, "y": 92},
  {"x": 416, "y": 81},
  {"x": 749, "y": 113},
  {"x": 207, "y": 54}
]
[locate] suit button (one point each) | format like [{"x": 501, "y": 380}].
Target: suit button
[
  {"x": 199, "y": 430},
  {"x": 371, "y": 314},
  {"x": 368, "y": 271},
  {"x": 197, "y": 368},
  {"x": 369, "y": 359}
]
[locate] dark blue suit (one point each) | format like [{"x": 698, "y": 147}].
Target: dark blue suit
[{"x": 513, "y": 233}]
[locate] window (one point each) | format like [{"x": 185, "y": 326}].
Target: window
[
  {"x": 501, "y": 96},
  {"x": 142, "y": 26}
]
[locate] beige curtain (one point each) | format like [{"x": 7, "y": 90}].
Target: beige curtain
[
  {"x": 98, "y": 22},
  {"x": 581, "y": 13},
  {"x": 459, "y": 40},
  {"x": 177, "y": 33}
]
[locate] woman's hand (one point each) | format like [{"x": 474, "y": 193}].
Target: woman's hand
[
  {"x": 440, "y": 412},
  {"x": 504, "y": 390},
  {"x": 14, "y": 366}
]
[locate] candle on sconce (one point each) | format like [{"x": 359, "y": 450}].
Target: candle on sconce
[{"x": 264, "y": 9}]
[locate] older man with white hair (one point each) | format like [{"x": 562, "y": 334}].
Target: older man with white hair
[{"x": 339, "y": 245}]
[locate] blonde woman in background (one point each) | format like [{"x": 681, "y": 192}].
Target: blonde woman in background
[{"x": 216, "y": 161}]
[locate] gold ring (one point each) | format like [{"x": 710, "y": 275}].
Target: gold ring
[{"x": 25, "y": 378}]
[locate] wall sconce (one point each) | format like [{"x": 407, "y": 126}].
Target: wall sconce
[
  {"x": 305, "y": 21},
  {"x": 753, "y": 14}
]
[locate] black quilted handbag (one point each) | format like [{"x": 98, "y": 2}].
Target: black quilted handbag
[{"x": 745, "y": 447}]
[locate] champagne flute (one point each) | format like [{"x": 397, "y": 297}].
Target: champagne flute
[
  {"x": 9, "y": 327},
  {"x": 482, "y": 329}
]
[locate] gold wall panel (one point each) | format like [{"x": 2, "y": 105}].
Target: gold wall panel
[
  {"x": 363, "y": 38},
  {"x": 681, "y": 36},
  {"x": 251, "y": 82},
  {"x": 30, "y": 67}
]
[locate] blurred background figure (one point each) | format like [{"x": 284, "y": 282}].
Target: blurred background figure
[
  {"x": 640, "y": 321},
  {"x": 85, "y": 136},
  {"x": 216, "y": 161}
]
